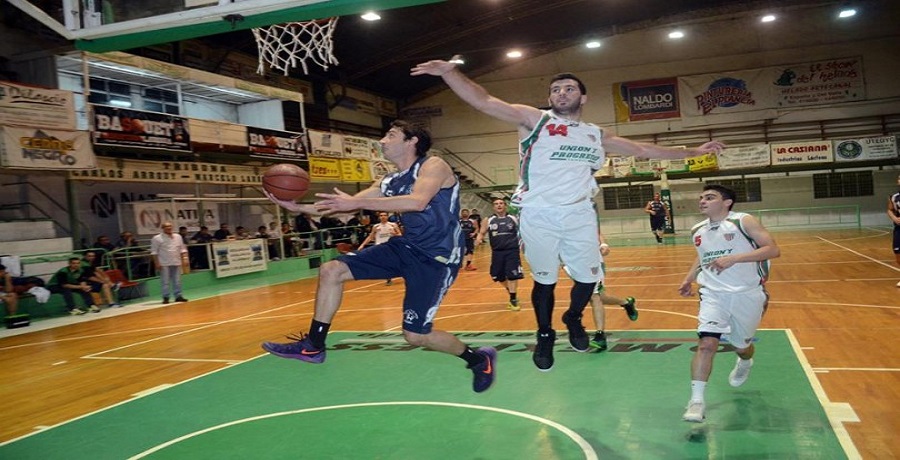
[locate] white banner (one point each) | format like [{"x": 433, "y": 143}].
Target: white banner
[
  {"x": 47, "y": 149},
  {"x": 801, "y": 153},
  {"x": 324, "y": 144},
  {"x": 149, "y": 216},
  {"x": 239, "y": 257},
  {"x": 36, "y": 107},
  {"x": 869, "y": 148},
  {"x": 823, "y": 82},
  {"x": 358, "y": 147},
  {"x": 741, "y": 91},
  {"x": 746, "y": 156},
  {"x": 173, "y": 172}
]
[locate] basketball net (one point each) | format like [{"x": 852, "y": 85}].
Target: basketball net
[{"x": 283, "y": 46}]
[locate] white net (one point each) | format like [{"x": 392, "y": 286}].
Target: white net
[{"x": 284, "y": 46}]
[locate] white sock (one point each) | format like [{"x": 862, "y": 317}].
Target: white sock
[
  {"x": 744, "y": 363},
  {"x": 698, "y": 388}
]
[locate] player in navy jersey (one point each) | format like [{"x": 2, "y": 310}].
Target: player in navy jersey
[
  {"x": 427, "y": 256},
  {"x": 893, "y": 212},
  {"x": 506, "y": 265},
  {"x": 470, "y": 230},
  {"x": 659, "y": 212}
]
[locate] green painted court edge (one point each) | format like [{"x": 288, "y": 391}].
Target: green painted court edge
[{"x": 378, "y": 397}]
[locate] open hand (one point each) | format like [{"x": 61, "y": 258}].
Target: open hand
[{"x": 435, "y": 67}]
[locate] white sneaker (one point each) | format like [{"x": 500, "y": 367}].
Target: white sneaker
[
  {"x": 695, "y": 412},
  {"x": 94, "y": 309},
  {"x": 739, "y": 374}
]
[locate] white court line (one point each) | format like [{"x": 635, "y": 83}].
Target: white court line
[
  {"x": 837, "y": 413},
  {"x": 179, "y": 360},
  {"x": 860, "y": 254},
  {"x": 856, "y": 369}
]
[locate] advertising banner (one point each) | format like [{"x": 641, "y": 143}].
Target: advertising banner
[
  {"x": 50, "y": 149},
  {"x": 646, "y": 100},
  {"x": 36, "y": 107},
  {"x": 353, "y": 170},
  {"x": 324, "y": 144},
  {"x": 381, "y": 168},
  {"x": 746, "y": 156},
  {"x": 822, "y": 82},
  {"x": 277, "y": 145},
  {"x": 741, "y": 91},
  {"x": 239, "y": 257},
  {"x": 120, "y": 127},
  {"x": 802, "y": 152},
  {"x": 358, "y": 147},
  {"x": 324, "y": 169},
  {"x": 868, "y": 148},
  {"x": 706, "y": 162},
  {"x": 175, "y": 172},
  {"x": 149, "y": 216}
]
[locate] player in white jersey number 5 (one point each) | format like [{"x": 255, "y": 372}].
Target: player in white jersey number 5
[
  {"x": 558, "y": 155},
  {"x": 732, "y": 265}
]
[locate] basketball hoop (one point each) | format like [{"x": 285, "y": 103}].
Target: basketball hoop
[{"x": 283, "y": 46}]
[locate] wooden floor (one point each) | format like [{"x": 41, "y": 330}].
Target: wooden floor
[{"x": 835, "y": 290}]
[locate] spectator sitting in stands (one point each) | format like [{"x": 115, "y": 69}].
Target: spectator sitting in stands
[
  {"x": 241, "y": 233},
  {"x": 198, "y": 254},
  {"x": 97, "y": 279},
  {"x": 222, "y": 233},
  {"x": 202, "y": 236},
  {"x": 287, "y": 238},
  {"x": 307, "y": 227},
  {"x": 102, "y": 246},
  {"x": 271, "y": 242},
  {"x": 68, "y": 281},
  {"x": 183, "y": 231},
  {"x": 138, "y": 265},
  {"x": 8, "y": 297}
]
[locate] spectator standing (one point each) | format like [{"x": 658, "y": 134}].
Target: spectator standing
[
  {"x": 8, "y": 297},
  {"x": 169, "y": 253}
]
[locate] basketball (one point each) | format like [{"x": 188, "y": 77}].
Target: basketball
[{"x": 286, "y": 181}]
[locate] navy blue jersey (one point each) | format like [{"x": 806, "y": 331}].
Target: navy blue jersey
[
  {"x": 435, "y": 230},
  {"x": 468, "y": 228},
  {"x": 503, "y": 232}
]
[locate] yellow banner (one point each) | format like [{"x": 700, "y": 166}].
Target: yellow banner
[
  {"x": 324, "y": 169},
  {"x": 705, "y": 162},
  {"x": 353, "y": 170}
]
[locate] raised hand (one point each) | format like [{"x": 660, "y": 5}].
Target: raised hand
[{"x": 435, "y": 67}]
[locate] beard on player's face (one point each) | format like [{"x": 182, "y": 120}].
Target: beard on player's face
[{"x": 570, "y": 107}]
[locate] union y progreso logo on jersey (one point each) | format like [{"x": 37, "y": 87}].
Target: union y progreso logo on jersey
[{"x": 576, "y": 153}]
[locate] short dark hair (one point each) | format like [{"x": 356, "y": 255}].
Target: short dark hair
[
  {"x": 410, "y": 131},
  {"x": 2, "y": 267},
  {"x": 569, "y": 76},
  {"x": 727, "y": 193},
  {"x": 74, "y": 258}
]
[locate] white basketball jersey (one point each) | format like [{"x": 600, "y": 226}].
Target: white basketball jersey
[
  {"x": 384, "y": 232},
  {"x": 557, "y": 162},
  {"x": 719, "y": 239}
]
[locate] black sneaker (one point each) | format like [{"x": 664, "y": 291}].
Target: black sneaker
[
  {"x": 543, "y": 350},
  {"x": 180, "y": 299},
  {"x": 598, "y": 342},
  {"x": 578, "y": 338},
  {"x": 630, "y": 308},
  {"x": 486, "y": 372},
  {"x": 165, "y": 300}
]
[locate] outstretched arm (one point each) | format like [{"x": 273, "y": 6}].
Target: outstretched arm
[
  {"x": 476, "y": 96},
  {"x": 632, "y": 148}
]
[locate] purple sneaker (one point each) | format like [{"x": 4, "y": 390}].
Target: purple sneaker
[
  {"x": 301, "y": 348},
  {"x": 486, "y": 372}
]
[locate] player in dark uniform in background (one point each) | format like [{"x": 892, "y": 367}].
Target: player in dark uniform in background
[
  {"x": 659, "y": 212},
  {"x": 426, "y": 256},
  {"x": 506, "y": 264},
  {"x": 470, "y": 230},
  {"x": 893, "y": 211}
]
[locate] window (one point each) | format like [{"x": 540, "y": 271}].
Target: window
[
  {"x": 161, "y": 100},
  {"x": 745, "y": 190},
  {"x": 843, "y": 184},
  {"x": 108, "y": 92},
  {"x": 628, "y": 197}
]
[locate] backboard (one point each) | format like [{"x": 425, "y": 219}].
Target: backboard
[{"x": 106, "y": 25}]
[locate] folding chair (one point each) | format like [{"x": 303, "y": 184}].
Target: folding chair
[{"x": 127, "y": 289}]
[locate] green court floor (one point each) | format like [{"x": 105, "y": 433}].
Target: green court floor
[{"x": 379, "y": 398}]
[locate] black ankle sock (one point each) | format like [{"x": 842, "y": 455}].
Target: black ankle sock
[
  {"x": 317, "y": 333},
  {"x": 471, "y": 358},
  {"x": 512, "y": 296}
]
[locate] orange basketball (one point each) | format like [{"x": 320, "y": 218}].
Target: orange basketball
[{"x": 286, "y": 181}]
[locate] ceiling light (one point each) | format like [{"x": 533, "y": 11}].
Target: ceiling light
[
  {"x": 371, "y": 16},
  {"x": 847, "y": 13},
  {"x": 767, "y": 18},
  {"x": 592, "y": 44},
  {"x": 514, "y": 54},
  {"x": 457, "y": 61},
  {"x": 676, "y": 34}
]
